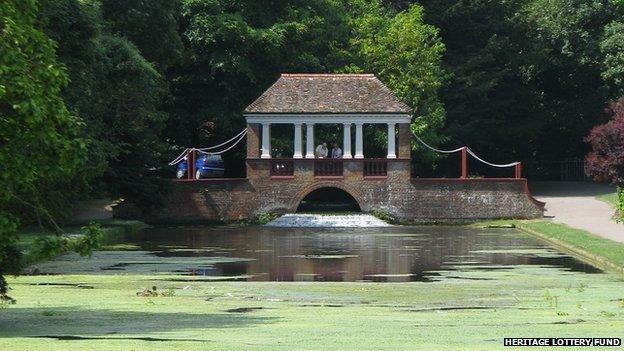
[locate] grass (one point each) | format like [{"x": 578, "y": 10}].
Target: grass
[
  {"x": 611, "y": 199},
  {"x": 610, "y": 250},
  {"x": 582, "y": 243}
]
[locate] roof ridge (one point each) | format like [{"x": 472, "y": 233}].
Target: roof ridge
[{"x": 328, "y": 75}]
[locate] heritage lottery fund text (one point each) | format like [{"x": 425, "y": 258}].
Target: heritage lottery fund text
[{"x": 562, "y": 342}]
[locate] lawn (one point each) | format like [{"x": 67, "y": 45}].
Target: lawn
[
  {"x": 609, "y": 250},
  {"x": 611, "y": 198},
  {"x": 583, "y": 244}
]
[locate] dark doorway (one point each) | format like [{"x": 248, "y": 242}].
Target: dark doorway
[{"x": 328, "y": 200}]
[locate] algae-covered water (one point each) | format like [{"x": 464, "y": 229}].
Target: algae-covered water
[{"x": 391, "y": 254}]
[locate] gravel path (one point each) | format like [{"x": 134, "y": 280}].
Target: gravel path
[{"x": 575, "y": 204}]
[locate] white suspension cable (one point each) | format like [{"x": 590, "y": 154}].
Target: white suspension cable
[
  {"x": 223, "y": 143},
  {"x": 226, "y": 150},
  {"x": 469, "y": 151},
  {"x": 433, "y": 148},
  {"x": 491, "y": 164},
  {"x": 238, "y": 137},
  {"x": 180, "y": 157}
]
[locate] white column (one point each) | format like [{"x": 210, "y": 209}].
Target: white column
[
  {"x": 297, "y": 153},
  {"x": 266, "y": 140},
  {"x": 346, "y": 141},
  {"x": 309, "y": 140},
  {"x": 359, "y": 148},
  {"x": 391, "y": 141}
]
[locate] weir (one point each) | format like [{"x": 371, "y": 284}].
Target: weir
[{"x": 304, "y": 220}]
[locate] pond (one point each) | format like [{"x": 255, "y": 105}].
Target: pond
[{"x": 391, "y": 254}]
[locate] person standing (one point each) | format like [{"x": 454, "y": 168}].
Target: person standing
[
  {"x": 321, "y": 150},
  {"x": 336, "y": 151}
]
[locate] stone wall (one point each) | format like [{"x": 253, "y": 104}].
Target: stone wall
[{"x": 409, "y": 199}]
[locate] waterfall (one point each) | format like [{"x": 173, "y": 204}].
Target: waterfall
[{"x": 328, "y": 221}]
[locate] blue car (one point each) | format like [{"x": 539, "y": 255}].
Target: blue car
[{"x": 206, "y": 166}]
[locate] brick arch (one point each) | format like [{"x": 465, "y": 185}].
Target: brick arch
[{"x": 319, "y": 185}]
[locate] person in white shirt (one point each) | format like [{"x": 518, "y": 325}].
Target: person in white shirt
[
  {"x": 336, "y": 151},
  {"x": 321, "y": 150}
]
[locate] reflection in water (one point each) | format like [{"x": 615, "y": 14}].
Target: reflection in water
[{"x": 394, "y": 254}]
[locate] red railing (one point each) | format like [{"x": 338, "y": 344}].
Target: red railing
[
  {"x": 282, "y": 168},
  {"x": 328, "y": 168},
  {"x": 376, "y": 168}
]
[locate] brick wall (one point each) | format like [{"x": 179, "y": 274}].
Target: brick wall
[{"x": 410, "y": 199}]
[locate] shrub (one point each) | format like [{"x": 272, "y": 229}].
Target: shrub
[
  {"x": 266, "y": 217},
  {"x": 606, "y": 160},
  {"x": 620, "y": 201},
  {"x": 383, "y": 215}
]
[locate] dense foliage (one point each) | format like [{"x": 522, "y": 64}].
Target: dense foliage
[
  {"x": 118, "y": 93},
  {"x": 527, "y": 79},
  {"x": 40, "y": 141},
  {"x": 606, "y": 160}
]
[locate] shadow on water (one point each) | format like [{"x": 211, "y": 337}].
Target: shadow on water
[
  {"x": 392, "y": 254},
  {"x": 67, "y": 322}
]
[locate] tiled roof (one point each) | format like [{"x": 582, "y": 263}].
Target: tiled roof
[{"x": 328, "y": 93}]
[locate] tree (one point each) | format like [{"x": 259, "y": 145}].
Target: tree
[
  {"x": 406, "y": 54},
  {"x": 606, "y": 160},
  {"x": 564, "y": 70},
  {"x": 119, "y": 94},
  {"x": 40, "y": 140},
  {"x": 524, "y": 76},
  {"x": 152, "y": 26},
  {"x": 612, "y": 47},
  {"x": 488, "y": 105}
]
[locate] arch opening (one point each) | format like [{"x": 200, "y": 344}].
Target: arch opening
[{"x": 328, "y": 199}]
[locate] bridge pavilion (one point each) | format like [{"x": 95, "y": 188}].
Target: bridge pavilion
[{"x": 306, "y": 101}]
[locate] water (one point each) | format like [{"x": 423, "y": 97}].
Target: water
[
  {"x": 391, "y": 254},
  {"x": 302, "y": 220}
]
